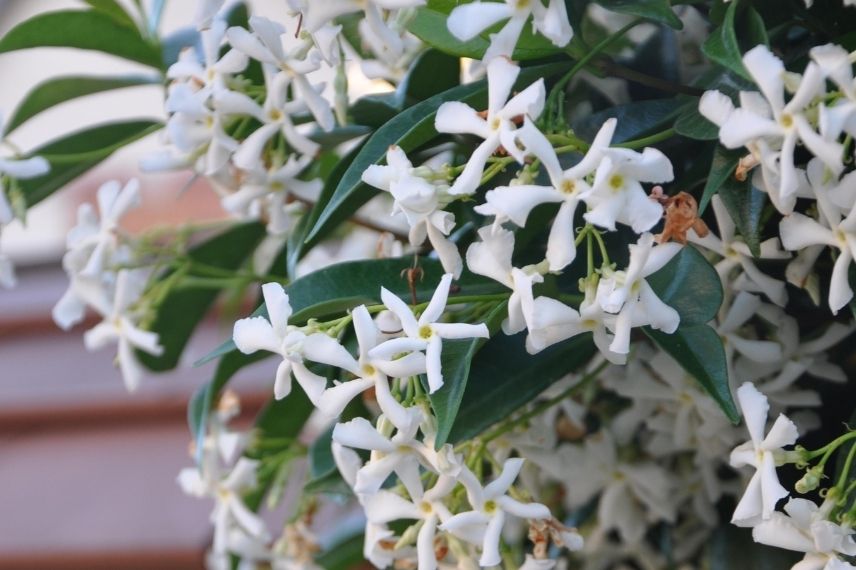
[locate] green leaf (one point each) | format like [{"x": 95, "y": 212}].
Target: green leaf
[
  {"x": 335, "y": 289},
  {"x": 722, "y": 168},
  {"x": 698, "y": 349},
  {"x": 429, "y": 25},
  {"x": 431, "y": 73},
  {"x": 89, "y": 30},
  {"x": 409, "y": 130},
  {"x": 690, "y": 285},
  {"x": 722, "y": 47},
  {"x": 174, "y": 43},
  {"x": 456, "y": 360},
  {"x": 504, "y": 377},
  {"x": 59, "y": 90},
  {"x": 732, "y": 548},
  {"x": 321, "y": 462},
  {"x": 745, "y": 204},
  {"x": 74, "y": 154},
  {"x": 655, "y": 10},
  {"x": 113, "y": 9},
  {"x": 344, "y": 555},
  {"x": 693, "y": 125},
  {"x": 178, "y": 313},
  {"x": 635, "y": 119}
]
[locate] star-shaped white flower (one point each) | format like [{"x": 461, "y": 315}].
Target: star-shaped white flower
[
  {"x": 568, "y": 188},
  {"x": 421, "y": 202},
  {"x": 770, "y": 128},
  {"x": 496, "y": 126},
  {"x": 836, "y": 228},
  {"x": 805, "y": 528},
  {"x": 764, "y": 490},
  {"x": 469, "y": 20},
  {"x": 491, "y": 504},
  {"x": 736, "y": 255},
  {"x": 119, "y": 326},
  {"x": 628, "y": 295},
  {"x": 426, "y": 333}
]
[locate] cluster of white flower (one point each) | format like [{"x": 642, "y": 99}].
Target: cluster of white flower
[
  {"x": 104, "y": 276},
  {"x": 770, "y": 129},
  {"x": 13, "y": 168}
]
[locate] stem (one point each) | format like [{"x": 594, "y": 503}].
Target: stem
[
  {"x": 649, "y": 140},
  {"x": 828, "y": 449},
  {"x": 582, "y": 62},
  {"x": 602, "y": 246},
  {"x": 842, "y": 478}
]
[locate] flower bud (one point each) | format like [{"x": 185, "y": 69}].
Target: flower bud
[{"x": 810, "y": 481}]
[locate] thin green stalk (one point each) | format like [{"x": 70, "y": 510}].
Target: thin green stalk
[
  {"x": 649, "y": 140},
  {"x": 560, "y": 85}
]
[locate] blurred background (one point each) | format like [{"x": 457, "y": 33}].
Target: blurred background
[{"x": 87, "y": 471}]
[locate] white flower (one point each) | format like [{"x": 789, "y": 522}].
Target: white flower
[
  {"x": 426, "y": 333},
  {"x": 213, "y": 70},
  {"x": 568, "y": 188},
  {"x": 399, "y": 454},
  {"x": 491, "y": 257},
  {"x": 269, "y": 189},
  {"x": 627, "y": 293},
  {"x": 805, "y": 529},
  {"x": 764, "y": 490},
  {"x": 469, "y": 20},
  {"x": 742, "y": 308},
  {"x": 119, "y": 325},
  {"x": 274, "y": 334},
  {"x": 230, "y": 512},
  {"x": 838, "y": 230},
  {"x": 265, "y": 44},
  {"x": 496, "y": 126},
  {"x": 100, "y": 237},
  {"x": 420, "y": 201},
  {"x": 371, "y": 372},
  {"x": 631, "y": 494},
  {"x": 426, "y": 506},
  {"x": 735, "y": 254},
  {"x": 83, "y": 290},
  {"x": 769, "y": 127},
  {"x": 616, "y": 193},
  {"x": 841, "y": 116},
  {"x": 483, "y": 525}
]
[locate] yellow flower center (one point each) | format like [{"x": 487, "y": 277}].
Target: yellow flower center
[
  {"x": 425, "y": 507},
  {"x": 787, "y": 121},
  {"x": 275, "y": 114},
  {"x": 369, "y": 370},
  {"x": 490, "y": 507},
  {"x": 425, "y": 332},
  {"x": 568, "y": 186},
  {"x": 616, "y": 182}
]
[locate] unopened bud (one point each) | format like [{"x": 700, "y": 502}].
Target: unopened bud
[
  {"x": 810, "y": 481},
  {"x": 340, "y": 99}
]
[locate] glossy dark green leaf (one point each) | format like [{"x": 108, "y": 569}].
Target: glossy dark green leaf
[
  {"x": 82, "y": 29},
  {"x": 654, "y": 10},
  {"x": 722, "y": 47},
  {"x": 722, "y": 168},
  {"x": 72, "y": 155},
  {"x": 504, "y": 377},
  {"x": 55, "y": 91},
  {"x": 732, "y": 548},
  {"x": 431, "y": 73},
  {"x": 344, "y": 555},
  {"x": 745, "y": 204},
  {"x": 409, "y": 130},
  {"x": 456, "y": 361},
  {"x": 113, "y": 9},
  {"x": 693, "y": 125},
  {"x": 335, "y": 289},
  {"x": 321, "y": 462},
  {"x": 181, "y": 310},
  {"x": 429, "y": 25},
  {"x": 635, "y": 119},
  {"x": 698, "y": 349},
  {"x": 690, "y": 285}
]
